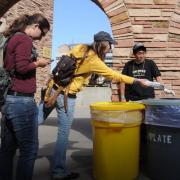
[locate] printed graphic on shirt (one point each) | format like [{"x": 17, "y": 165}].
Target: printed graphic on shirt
[{"x": 139, "y": 73}]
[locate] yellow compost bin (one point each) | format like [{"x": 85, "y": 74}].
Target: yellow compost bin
[{"x": 116, "y": 140}]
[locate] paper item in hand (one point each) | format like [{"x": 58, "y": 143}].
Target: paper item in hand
[
  {"x": 168, "y": 91},
  {"x": 47, "y": 52},
  {"x": 155, "y": 85}
]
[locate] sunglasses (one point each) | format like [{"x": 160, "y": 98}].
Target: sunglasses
[{"x": 42, "y": 32}]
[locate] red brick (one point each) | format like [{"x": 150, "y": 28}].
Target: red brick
[
  {"x": 169, "y": 65},
  {"x": 174, "y": 24},
  {"x": 169, "y": 68},
  {"x": 125, "y": 43},
  {"x": 173, "y": 44},
  {"x": 142, "y": 40},
  {"x": 176, "y": 88},
  {"x": 151, "y": 18},
  {"x": 106, "y": 3},
  {"x": 146, "y": 6},
  {"x": 155, "y": 44},
  {"x": 174, "y": 30},
  {"x": 143, "y": 36},
  {"x": 176, "y": 82},
  {"x": 165, "y": 1},
  {"x": 117, "y": 11},
  {"x": 119, "y": 17},
  {"x": 155, "y": 30},
  {"x": 122, "y": 31},
  {"x": 121, "y": 25},
  {"x": 141, "y": 22}
]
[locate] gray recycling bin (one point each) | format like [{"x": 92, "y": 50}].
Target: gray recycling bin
[{"x": 161, "y": 146}]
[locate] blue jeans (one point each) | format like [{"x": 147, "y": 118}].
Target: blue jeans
[
  {"x": 21, "y": 131},
  {"x": 64, "y": 126}
]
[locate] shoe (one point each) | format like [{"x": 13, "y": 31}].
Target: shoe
[{"x": 72, "y": 175}]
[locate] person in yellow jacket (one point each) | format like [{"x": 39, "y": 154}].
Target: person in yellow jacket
[{"x": 93, "y": 63}]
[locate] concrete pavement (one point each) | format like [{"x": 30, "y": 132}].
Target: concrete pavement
[{"x": 79, "y": 155}]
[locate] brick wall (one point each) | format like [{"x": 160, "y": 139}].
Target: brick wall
[
  {"x": 156, "y": 23},
  {"x": 31, "y": 7}
]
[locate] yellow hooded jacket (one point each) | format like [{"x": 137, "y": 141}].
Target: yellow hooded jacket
[{"x": 92, "y": 64}]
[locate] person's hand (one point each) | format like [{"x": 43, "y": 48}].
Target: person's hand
[
  {"x": 51, "y": 101},
  {"x": 42, "y": 62},
  {"x": 142, "y": 82}
]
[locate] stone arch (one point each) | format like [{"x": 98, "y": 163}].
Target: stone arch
[{"x": 6, "y": 5}]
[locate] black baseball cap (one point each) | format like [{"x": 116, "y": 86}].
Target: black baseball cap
[
  {"x": 104, "y": 36},
  {"x": 139, "y": 47}
]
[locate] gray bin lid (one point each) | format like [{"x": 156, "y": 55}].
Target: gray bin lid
[
  {"x": 163, "y": 112},
  {"x": 162, "y": 102}
]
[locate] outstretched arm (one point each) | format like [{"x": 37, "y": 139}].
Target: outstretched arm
[{"x": 122, "y": 92}]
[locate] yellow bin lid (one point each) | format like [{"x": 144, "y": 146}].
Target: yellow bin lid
[{"x": 116, "y": 106}]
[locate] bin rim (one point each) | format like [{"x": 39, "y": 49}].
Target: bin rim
[
  {"x": 103, "y": 124},
  {"x": 117, "y": 106},
  {"x": 162, "y": 102}
]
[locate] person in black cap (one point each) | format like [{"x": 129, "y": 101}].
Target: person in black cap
[
  {"x": 90, "y": 60},
  {"x": 140, "y": 68}
]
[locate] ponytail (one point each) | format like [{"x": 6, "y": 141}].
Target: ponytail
[
  {"x": 18, "y": 25},
  {"x": 22, "y": 22}
]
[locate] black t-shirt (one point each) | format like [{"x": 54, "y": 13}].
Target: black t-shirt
[{"x": 145, "y": 70}]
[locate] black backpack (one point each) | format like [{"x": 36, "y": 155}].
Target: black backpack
[{"x": 63, "y": 73}]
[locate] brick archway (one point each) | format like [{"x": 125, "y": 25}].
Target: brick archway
[
  {"x": 5, "y": 5},
  {"x": 154, "y": 22}
]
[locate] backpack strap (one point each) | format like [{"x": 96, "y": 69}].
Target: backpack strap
[
  {"x": 81, "y": 62},
  {"x": 66, "y": 97},
  {"x": 2, "y": 42},
  {"x": 51, "y": 99}
]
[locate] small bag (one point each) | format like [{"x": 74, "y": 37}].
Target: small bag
[
  {"x": 63, "y": 74},
  {"x": 43, "y": 92}
]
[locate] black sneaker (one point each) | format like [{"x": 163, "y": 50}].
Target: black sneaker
[{"x": 72, "y": 175}]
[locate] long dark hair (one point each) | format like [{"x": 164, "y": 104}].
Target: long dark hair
[
  {"x": 22, "y": 22},
  {"x": 98, "y": 48}
]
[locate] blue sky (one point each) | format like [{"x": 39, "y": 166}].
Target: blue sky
[{"x": 76, "y": 21}]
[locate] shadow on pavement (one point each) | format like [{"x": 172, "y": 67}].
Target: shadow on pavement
[
  {"x": 80, "y": 161},
  {"x": 82, "y": 125}
]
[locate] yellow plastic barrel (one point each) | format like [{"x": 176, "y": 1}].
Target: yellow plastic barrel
[{"x": 116, "y": 140}]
